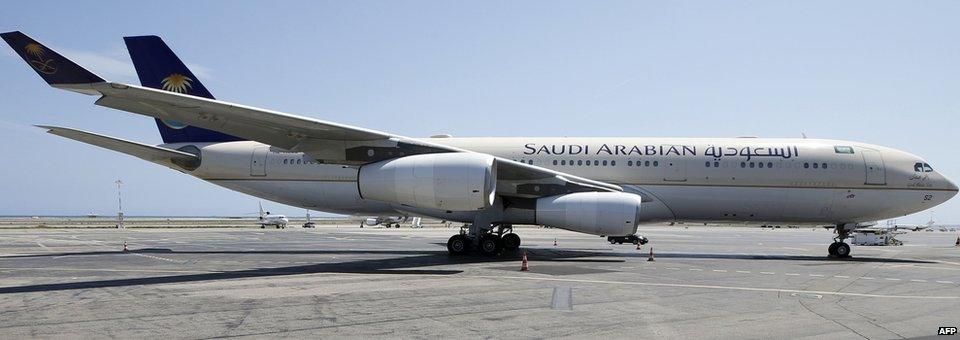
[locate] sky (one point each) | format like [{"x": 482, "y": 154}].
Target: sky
[{"x": 881, "y": 72}]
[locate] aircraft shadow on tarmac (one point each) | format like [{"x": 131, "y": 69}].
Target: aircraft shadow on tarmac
[{"x": 393, "y": 265}]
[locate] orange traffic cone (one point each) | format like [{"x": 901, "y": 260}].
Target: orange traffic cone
[
  {"x": 125, "y": 246},
  {"x": 649, "y": 259},
  {"x": 523, "y": 263},
  {"x": 554, "y": 241}
]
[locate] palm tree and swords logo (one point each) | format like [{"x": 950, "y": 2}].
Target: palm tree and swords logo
[{"x": 36, "y": 54}]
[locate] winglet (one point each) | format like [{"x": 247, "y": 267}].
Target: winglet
[{"x": 54, "y": 68}]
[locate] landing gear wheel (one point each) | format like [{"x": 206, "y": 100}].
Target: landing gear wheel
[
  {"x": 490, "y": 245},
  {"x": 457, "y": 244},
  {"x": 832, "y": 249},
  {"x": 842, "y": 250},
  {"x": 511, "y": 242}
]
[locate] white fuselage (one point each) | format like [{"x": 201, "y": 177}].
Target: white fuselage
[{"x": 757, "y": 180}]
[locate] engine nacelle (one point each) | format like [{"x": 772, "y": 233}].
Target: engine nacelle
[
  {"x": 597, "y": 213},
  {"x": 445, "y": 181}
]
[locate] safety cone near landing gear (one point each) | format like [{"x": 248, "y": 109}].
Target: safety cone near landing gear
[
  {"x": 650, "y": 259},
  {"x": 958, "y": 241},
  {"x": 523, "y": 263},
  {"x": 125, "y": 247},
  {"x": 638, "y": 245},
  {"x": 554, "y": 241}
]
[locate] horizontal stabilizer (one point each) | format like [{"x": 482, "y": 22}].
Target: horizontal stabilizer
[
  {"x": 155, "y": 154},
  {"x": 54, "y": 68}
]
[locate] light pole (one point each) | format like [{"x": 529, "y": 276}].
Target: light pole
[{"x": 119, "y": 205}]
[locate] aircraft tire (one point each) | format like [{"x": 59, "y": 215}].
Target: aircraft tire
[
  {"x": 490, "y": 245},
  {"x": 832, "y": 250},
  {"x": 842, "y": 250},
  {"x": 511, "y": 242},
  {"x": 458, "y": 245}
]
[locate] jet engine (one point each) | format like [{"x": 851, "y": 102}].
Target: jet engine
[
  {"x": 445, "y": 181},
  {"x": 597, "y": 213}
]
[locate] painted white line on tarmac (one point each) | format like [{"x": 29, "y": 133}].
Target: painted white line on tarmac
[
  {"x": 767, "y": 273},
  {"x": 791, "y": 274},
  {"x": 753, "y": 289},
  {"x": 743, "y": 271},
  {"x": 117, "y": 270}
]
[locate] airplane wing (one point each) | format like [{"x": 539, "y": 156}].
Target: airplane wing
[
  {"x": 175, "y": 159},
  {"x": 324, "y": 141}
]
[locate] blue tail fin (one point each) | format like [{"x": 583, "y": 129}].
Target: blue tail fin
[{"x": 158, "y": 67}]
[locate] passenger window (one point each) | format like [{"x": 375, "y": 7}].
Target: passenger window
[
  {"x": 530, "y": 162},
  {"x": 743, "y": 164},
  {"x": 563, "y": 162},
  {"x": 284, "y": 161},
  {"x": 613, "y": 163},
  {"x": 752, "y": 165},
  {"x": 707, "y": 164},
  {"x": 299, "y": 161},
  {"x": 760, "y": 165},
  {"x": 646, "y": 163},
  {"x": 716, "y": 164},
  {"x": 596, "y": 163},
  {"x": 554, "y": 162},
  {"x": 814, "y": 165},
  {"x": 655, "y": 163},
  {"x": 806, "y": 165},
  {"x": 769, "y": 164},
  {"x": 824, "y": 165},
  {"x": 629, "y": 163},
  {"x": 580, "y": 162},
  {"x": 604, "y": 163}
]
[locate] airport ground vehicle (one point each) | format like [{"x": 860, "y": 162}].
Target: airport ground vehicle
[{"x": 627, "y": 239}]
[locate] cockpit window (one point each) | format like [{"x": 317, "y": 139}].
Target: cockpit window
[
  {"x": 843, "y": 149},
  {"x": 927, "y": 168},
  {"x": 922, "y": 167}
]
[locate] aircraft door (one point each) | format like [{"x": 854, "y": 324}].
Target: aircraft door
[
  {"x": 676, "y": 170},
  {"x": 876, "y": 174},
  {"x": 258, "y": 161}
]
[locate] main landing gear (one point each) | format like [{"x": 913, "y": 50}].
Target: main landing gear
[
  {"x": 839, "y": 248},
  {"x": 489, "y": 242}
]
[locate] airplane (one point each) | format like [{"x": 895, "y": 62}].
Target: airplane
[
  {"x": 267, "y": 219},
  {"x": 386, "y": 221},
  {"x": 603, "y": 186}
]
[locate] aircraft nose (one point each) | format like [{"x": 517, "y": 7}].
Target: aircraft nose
[{"x": 951, "y": 186}]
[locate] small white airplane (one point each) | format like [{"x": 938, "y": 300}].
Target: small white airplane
[
  {"x": 386, "y": 221},
  {"x": 592, "y": 185},
  {"x": 267, "y": 219}
]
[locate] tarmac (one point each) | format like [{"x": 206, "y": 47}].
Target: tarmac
[{"x": 344, "y": 281}]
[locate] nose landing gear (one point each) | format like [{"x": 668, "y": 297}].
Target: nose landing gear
[{"x": 839, "y": 248}]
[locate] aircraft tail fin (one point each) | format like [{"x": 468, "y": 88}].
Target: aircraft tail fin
[
  {"x": 54, "y": 68},
  {"x": 158, "y": 67}
]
